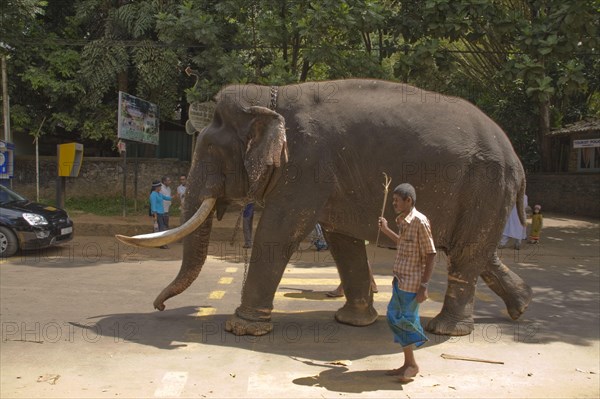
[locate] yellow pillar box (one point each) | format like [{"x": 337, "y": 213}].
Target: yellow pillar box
[{"x": 70, "y": 157}]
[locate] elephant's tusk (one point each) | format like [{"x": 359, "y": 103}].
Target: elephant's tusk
[{"x": 167, "y": 237}]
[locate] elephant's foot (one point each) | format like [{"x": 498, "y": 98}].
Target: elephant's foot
[
  {"x": 354, "y": 315},
  {"x": 515, "y": 293},
  {"x": 446, "y": 324},
  {"x": 239, "y": 326},
  {"x": 517, "y": 303}
]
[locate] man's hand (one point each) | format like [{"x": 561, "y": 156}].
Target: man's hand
[
  {"x": 383, "y": 224},
  {"x": 422, "y": 294}
]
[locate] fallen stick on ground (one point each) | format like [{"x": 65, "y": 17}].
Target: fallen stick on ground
[{"x": 469, "y": 359}]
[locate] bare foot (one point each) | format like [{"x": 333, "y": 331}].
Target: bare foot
[
  {"x": 398, "y": 371},
  {"x": 409, "y": 373},
  {"x": 338, "y": 292},
  {"x": 374, "y": 287}
]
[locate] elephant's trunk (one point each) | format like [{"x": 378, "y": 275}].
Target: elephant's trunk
[{"x": 194, "y": 255}]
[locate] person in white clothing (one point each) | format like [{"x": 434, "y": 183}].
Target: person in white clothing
[
  {"x": 514, "y": 229},
  {"x": 181, "y": 194}
]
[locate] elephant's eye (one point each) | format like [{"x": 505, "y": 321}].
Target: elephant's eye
[{"x": 216, "y": 120}]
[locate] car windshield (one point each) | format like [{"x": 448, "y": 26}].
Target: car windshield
[{"x": 7, "y": 196}]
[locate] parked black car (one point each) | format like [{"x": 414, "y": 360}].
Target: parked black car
[{"x": 30, "y": 225}]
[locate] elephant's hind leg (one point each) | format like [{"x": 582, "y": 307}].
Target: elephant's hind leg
[
  {"x": 515, "y": 293},
  {"x": 350, "y": 256}
]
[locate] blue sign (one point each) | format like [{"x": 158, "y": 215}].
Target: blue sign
[{"x": 7, "y": 156}]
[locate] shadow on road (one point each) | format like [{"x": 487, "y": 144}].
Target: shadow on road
[{"x": 314, "y": 334}]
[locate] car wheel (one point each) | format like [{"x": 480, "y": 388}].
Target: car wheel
[{"x": 8, "y": 242}]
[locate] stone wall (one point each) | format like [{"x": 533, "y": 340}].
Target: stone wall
[
  {"x": 567, "y": 193},
  {"x": 98, "y": 177}
]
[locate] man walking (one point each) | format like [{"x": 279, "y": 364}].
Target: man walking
[{"x": 412, "y": 270}]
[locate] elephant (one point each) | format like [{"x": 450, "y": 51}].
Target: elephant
[{"x": 316, "y": 152}]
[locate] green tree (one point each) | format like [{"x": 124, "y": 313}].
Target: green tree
[
  {"x": 18, "y": 18},
  {"x": 71, "y": 62},
  {"x": 502, "y": 49},
  {"x": 276, "y": 41},
  {"x": 122, "y": 53},
  {"x": 529, "y": 64}
]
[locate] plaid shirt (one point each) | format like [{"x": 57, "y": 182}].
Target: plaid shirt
[{"x": 414, "y": 243}]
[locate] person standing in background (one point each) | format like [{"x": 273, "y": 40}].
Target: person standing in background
[
  {"x": 156, "y": 206},
  {"x": 514, "y": 229},
  {"x": 181, "y": 194},
  {"x": 248, "y": 217},
  {"x": 537, "y": 222},
  {"x": 166, "y": 191}
]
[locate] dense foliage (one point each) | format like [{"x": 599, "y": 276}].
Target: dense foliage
[{"x": 531, "y": 65}]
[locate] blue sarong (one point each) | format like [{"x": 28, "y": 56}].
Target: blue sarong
[{"x": 403, "y": 317}]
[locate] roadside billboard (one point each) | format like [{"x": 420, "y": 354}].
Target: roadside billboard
[{"x": 138, "y": 119}]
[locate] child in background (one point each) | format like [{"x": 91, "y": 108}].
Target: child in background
[{"x": 537, "y": 221}]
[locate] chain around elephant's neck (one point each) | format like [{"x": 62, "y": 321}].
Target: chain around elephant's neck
[{"x": 273, "y": 102}]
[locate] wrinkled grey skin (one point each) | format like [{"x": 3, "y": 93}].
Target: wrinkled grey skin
[{"x": 341, "y": 137}]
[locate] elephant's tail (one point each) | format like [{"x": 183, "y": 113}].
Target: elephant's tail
[{"x": 521, "y": 202}]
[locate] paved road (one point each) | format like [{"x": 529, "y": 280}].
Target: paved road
[{"x": 77, "y": 321}]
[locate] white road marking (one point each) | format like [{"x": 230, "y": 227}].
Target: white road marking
[{"x": 172, "y": 384}]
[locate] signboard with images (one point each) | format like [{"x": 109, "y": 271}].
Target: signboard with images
[{"x": 138, "y": 119}]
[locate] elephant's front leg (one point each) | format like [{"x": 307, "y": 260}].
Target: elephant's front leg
[
  {"x": 350, "y": 256},
  {"x": 277, "y": 237}
]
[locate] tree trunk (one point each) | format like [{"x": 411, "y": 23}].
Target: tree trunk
[
  {"x": 305, "y": 69},
  {"x": 123, "y": 81},
  {"x": 545, "y": 146},
  {"x": 284, "y": 33},
  {"x": 295, "y": 53}
]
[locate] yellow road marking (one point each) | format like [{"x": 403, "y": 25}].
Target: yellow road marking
[
  {"x": 231, "y": 270},
  {"x": 206, "y": 312},
  {"x": 291, "y": 311},
  {"x": 309, "y": 281},
  {"x": 216, "y": 295},
  {"x": 226, "y": 280},
  {"x": 322, "y": 281},
  {"x": 320, "y": 296},
  {"x": 312, "y": 270}
]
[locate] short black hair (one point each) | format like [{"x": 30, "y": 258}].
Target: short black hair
[{"x": 406, "y": 190}]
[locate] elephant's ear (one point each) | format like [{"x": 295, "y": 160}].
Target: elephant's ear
[{"x": 266, "y": 145}]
